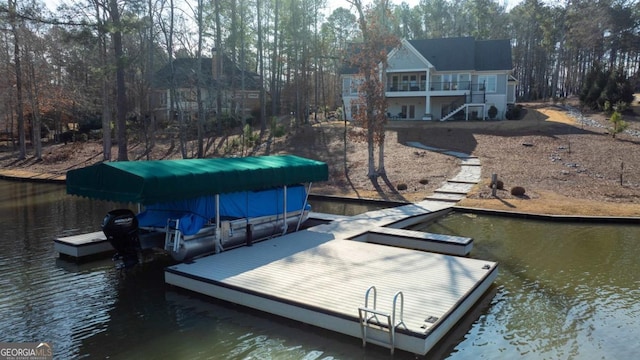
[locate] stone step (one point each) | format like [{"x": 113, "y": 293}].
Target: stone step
[
  {"x": 441, "y": 196},
  {"x": 456, "y": 188}
]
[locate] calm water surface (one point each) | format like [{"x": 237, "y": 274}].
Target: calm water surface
[{"x": 564, "y": 291}]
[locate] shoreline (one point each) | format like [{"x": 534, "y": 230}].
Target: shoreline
[
  {"x": 29, "y": 176},
  {"x": 568, "y": 167}
]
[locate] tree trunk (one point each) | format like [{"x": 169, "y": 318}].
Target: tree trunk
[
  {"x": 22, "y": 141},
  {"x": 263, "y": 107},
  {"x": 381, "y": 169},
  {"x": 106, "y": 103},
  {"x": 274, "y": 62},
  {"x": 200, "y": 123},
  {"x": 150, "y": 116},
  {"x": 218, "y": 64},
  {"x": 121, "y": 99},
  {"x": 371, "y": 172},
  {"x": 35, "y": 110}
]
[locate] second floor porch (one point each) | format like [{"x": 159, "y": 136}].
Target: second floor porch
[{"x": 419, "y": 84}]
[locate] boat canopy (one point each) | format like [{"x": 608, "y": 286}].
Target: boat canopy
[{"x": 156, "y": 181}]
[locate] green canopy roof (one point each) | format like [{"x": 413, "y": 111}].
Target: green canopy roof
[{"x": 149, "y": 182}]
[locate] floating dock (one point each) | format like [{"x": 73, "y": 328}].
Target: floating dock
[
  {"x": 314, "y": 278},
  {"x": 393, "y": 297},
  {"x": 83, "y": 245},
  {"x": 419, "y": 240}
]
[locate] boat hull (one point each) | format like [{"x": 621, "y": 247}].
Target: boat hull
[{"x": 233, "y": 234}]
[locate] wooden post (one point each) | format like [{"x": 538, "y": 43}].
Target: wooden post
[
  {"x": 621, "y": 172},
  {"x": 494, "y": 184}
]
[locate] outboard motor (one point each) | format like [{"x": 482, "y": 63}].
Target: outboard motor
[{"x": 121, "y": 229}]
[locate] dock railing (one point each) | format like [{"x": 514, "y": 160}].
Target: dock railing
[{"x": 369, "y": 318}]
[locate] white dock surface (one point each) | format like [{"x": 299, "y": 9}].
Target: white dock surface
[
  {"x": 78, "y": 246},
  {"x": 312, "y": 277}
]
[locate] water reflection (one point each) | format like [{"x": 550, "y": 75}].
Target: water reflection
[
  {"x": 86, "y": 310},
  {"x": 563, "y": 291},
  {"x": 349, "y": 208}
]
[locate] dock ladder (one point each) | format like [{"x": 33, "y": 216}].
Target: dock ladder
[
  {"x": 369, "y": 319},
  {"x": 172, "y": 235}
]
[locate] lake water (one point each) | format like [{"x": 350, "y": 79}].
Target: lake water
[{"x": 563, "y": 291}]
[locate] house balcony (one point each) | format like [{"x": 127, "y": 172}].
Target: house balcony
[{"x": 434, "y": 89}]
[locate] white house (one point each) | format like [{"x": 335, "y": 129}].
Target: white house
[{"x": 443, "y": 79}]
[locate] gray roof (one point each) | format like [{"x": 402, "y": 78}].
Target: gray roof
[
  {"x": 185, "y": 74},
  {"x": 465, "y": 53}
]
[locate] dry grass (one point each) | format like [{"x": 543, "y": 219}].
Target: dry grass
[{"x": 565, "y": 167}]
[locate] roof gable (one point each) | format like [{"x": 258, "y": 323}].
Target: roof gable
[{"x": 406, "y": 57}]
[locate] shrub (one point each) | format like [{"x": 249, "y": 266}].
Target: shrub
[
  {"x": 493, "y": 111},
  {"x": 499, "y": 185},
  {"x": 402, "y": 187},
  {"x": 276, "y": 129},
  {"x": 249, "y": 138},
  {"x": 513, "y": 113},
  {"x": 517, "y": 191},
  {"x": 619, "y": 125}
]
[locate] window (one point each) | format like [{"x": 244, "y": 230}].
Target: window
[
  {"x": 395, "y": 82},
  {"x": 413, "y": 83},
  {"x": 446, "y": 81},
  {"x": 463, "y": 82},
  {"x": 487, "y": 83},
  {"x": 346, "y": 86},
  {"x": 162, "y": 96},
  {"x": 350, "y": 86},
  {"x": 436, "y": 82}
]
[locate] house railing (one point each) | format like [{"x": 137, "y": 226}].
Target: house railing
[
  {"x": 407, "y": 87},
  {"x": 433, "y": 86},
  {"x": 451, "y": 86},
  {"x": 453, "y": 106}
]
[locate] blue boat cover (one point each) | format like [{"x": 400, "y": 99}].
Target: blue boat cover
[{"x": 195, "y": 213}]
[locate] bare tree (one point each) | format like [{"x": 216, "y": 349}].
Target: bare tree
[
  {"x": 14, "y": 23},
  {"x": 263, "y": 108},
  {"x": 371, "y": 58},
  {"x": 200, "y": 122},
  {"x": 121, "y": 100},
  {"x": 33, "y": 93}
]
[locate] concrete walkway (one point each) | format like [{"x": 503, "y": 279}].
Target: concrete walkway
[{"x": 456, "y": 188}]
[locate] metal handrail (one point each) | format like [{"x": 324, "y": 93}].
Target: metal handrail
[
  {"x": 395, "y": 301},
  {"x": 366, "y": 297},
  {"x": 365, "y": 319}
]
